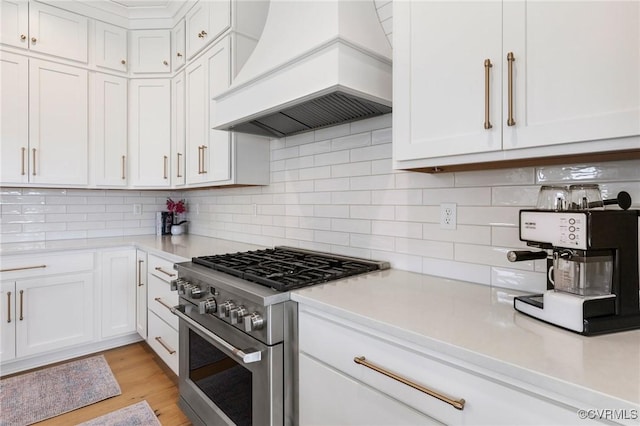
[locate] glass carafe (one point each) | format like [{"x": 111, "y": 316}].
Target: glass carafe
[{"x": 582, "y": 273}]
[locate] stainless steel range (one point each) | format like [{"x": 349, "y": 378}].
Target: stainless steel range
[{"x": 238, "y": 331}]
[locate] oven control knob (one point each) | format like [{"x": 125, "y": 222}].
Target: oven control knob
[
  {"x": 237, "y": 314},
  {"x": 253, "y": 321},
  {"x": 183, "y": 287},
  {"x": 208, "y": 306},
  {"x": 225, "y": 307},
  {"x": 195, "y": 292},
  {"x": 175, "y": 284}
]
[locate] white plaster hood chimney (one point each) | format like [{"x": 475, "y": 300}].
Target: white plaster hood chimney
[{"x": 318, "y": 63}]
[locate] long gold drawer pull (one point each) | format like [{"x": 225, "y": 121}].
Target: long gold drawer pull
[
  {"x": 487, "y": 68},
  {"x": 510, "y": 60},
  {"x": 165, "y": 158},
  {"x": 203, "y": 159},
  {"x": 123, "y": 167},
  {"x": 178, "y": 168},
  {"x": 164, "y": 345},
  {"x": 159, "y": 269},
  {"x": 21, "y": 304},
  {"x": 200, "y": 160},
  {"x": 159, "y": 300},
  {"x": 456, "y": 403},
  {"x": 8, "y": 306},
  {"x": 34, "y": 161},
  {"x": 23, "y": 268},
  {"x": 140, "y": 283},
  {"x": 23, "y": 149}
]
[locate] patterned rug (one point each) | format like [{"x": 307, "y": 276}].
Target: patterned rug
[
  {"x": 39, "y": 395},
  {"x": 139, "y": 414}
]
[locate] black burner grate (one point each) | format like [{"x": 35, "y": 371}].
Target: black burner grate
[{"x": 286, "y": 269}]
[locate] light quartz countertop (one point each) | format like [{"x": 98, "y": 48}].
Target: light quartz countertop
[
  {"x": 473, "y": 323},
  {"x": 478, "y": 325}
]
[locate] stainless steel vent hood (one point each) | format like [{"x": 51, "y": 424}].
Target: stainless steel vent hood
[{"x": 318, "y": 63}]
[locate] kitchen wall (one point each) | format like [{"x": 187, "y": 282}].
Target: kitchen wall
[
  {"x": 335, "y": 190},
  {"x": 35, "y": 214}
]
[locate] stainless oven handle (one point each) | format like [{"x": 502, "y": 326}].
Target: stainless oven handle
[{"x": 247, "y": 358}]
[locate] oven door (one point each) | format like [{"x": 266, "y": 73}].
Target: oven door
[{"x": 227, "y": 377}]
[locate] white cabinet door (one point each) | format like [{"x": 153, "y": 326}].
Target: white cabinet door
[
  {"x": 218, "y": 156},
  {"x": 576, "y": 71},
  {"x": 178, "y": 45},
  {"x": 118, "y": 292},
  {"x": 58, "y": 129},
  {"x": 141, "y": 296},
  {"x": 439, "y": 78},
  {"x": 197, "y": 119},
  {"x": 57, "y": 32},
  {"x": 7, "y": 320},
  {"x": 356, "y": 404},
  {"x": 151, "y": 51},
  {"x": 178, "y": 141},
  {"x": 110, "y": 46},
  {"x": 149, "y": 132},
  {"x": 54, "y": 312},
  {"x": 109, "y": 129},
  {"x": 14, "y": 119},
  {"x": 14, "y": 23},
  {"x": 205, "y": 22}
]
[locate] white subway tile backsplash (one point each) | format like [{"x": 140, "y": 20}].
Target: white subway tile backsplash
[
  {"x": 381, "y": 136},
  {"x": 522, "y": 196},
  {"x": 332, "y": 132},
  {"x": 338, "y": 157},
  {"x": 397, "y": 197},
  {"x": 488, "y": 255},
  {"x": 462, "y": 233},
  {"x": 316, "y": 148},
  {"x": 519, "y": 280},
  {"x": 335, "y": 184},
  {"x": 604, "y": 172},
  {"x": 372, "y": 212},
  {"x": 396, "y": 229},
  {"x": 423, "y": 180},
  {"x": 521, "y": 176},
  {"x": 351, "y": 169},
  {"x": 373, "y": 242},
  {"x": 496, "y": 216},
  {"x": 351, "y": 141},
  {"x": 418, "y": 213},
  {"x": 425, "y": 248},
  {"x": 331, "y": 211},
  {"x": 375, "y": 152},
  {"x": 351, "y": 197},
  {"x": 372, "y": 182},
  {"x": 358, "y": 226},
  {"x": 331, "y": 237},
  {"x": 461, "y": 196},
  {"x": 480, "y": 274}
]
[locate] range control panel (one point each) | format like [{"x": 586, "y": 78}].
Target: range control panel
[{"x": 560, "y": 229}]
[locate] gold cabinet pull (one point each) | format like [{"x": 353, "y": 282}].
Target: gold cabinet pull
[
  {"x": 159, "y": 300},
  {"x": 123, "y": 167},
  {"x": 510, "y": 60},
  {"x": 203, "y": 157},
  {"x": 456, "y": 403},
  {"x": 33, "y": 40},
  {"x": 33, "y": 151},
  {"x": 24, "y": 150},
  {"x": 165, "y": 166},
  {"x": 487, "y": 69},
  {"x": 8, "y": 306},
  {"x": 21, "y": 304},
  {"x": 179, "y": 55},
  {"x": 123, "y": 62},
  {"x": 140, "y": 283},
  {"x": 23, "y": 37},
  {"x": 178, "y": 168},
  {"x": 23, "y": 268},
  {"x": 159, "y": 269},
  {"x": 165, "y": 62},
  {"x": 200, "y": 160},
  {"x": 165, "y": 346}
]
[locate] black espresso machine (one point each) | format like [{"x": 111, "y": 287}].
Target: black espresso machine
[{"x": 593, "y": 271}]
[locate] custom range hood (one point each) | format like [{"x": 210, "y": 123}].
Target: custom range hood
[{"x": 318, "y": 63}]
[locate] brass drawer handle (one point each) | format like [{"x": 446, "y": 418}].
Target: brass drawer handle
[
  {"x": 159, "y": 269},
  {"x": 23, "y": 268},
  {"x": 34, "y": 161},
  {"x": 487, "y": 68},
  {"x": 21, "y": 304},
  {"x": 123, "y": 167},
  {"x": 8, "y": 306},
  {"x": 510, "y": 60},
  {"x": 165, "y": 158},
  {"x": 178, "y": 168},
  {"x": 203, "y": 158},
  {"x": 159, "y": 300},
  {"x": 456, "y": 403},
  {"x": 140, "y": 283},
  {"x": 23, "y": 149},
  {"x": 164, "y": 345}
]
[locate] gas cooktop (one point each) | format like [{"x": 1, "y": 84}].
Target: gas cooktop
[{"x": 287, "y": 268}]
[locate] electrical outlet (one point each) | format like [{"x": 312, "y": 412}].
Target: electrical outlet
[
  {"x": 137, "y": 209},
  {"x": 448, "y": 216}
]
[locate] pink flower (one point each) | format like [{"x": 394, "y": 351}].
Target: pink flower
[{"x": 176, "y": 207}]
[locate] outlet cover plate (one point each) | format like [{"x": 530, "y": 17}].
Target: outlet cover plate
[{"x": 448, "y": 216}]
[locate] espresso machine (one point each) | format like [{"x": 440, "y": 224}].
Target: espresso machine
[{"x": 592, "y": 268}]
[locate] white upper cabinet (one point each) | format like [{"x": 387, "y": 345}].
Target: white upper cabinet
[
  {"x": 109, "y": 129},
  {"x": 205, "y": 22},
  {"x": 110, "y": 46},
  {"x": 151, "y": 51},
  {"x": 149, "y": 132},
  {"x": 489, "y": 81},
  {"x": 178, "y": 45},
  {"x": 57, "y": 32},
  {"x": 14, "y": 17}
]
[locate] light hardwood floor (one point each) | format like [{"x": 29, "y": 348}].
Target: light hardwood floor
[{"x": 142, "y": 376}]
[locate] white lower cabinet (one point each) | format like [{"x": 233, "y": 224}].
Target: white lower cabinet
[
  {"x": 162, "y": 333},
  {"x": 329, "y": 346},
  {"x": 8, "y": 320},
  {"x": 118, "y": 292},
  {"x": 141, "y": 290}
]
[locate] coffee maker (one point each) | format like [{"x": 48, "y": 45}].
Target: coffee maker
[{"x": 592, "y": 268}]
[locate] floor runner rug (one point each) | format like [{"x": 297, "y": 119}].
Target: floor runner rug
[
  {"x": 39, "y": 395},
  {"x": 139, "y": 414}
]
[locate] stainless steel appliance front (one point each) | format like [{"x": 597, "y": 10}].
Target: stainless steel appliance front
[{"x": 227, "y": 377}]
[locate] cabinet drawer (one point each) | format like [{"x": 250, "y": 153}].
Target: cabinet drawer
[
  {"x": 162, "y": 268},
  {"x": 488, "y": 400},
  {"x": 15, "y": 267},
  {"x": 161, "y": 299},
  {"x": 164, "y": 340}
]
